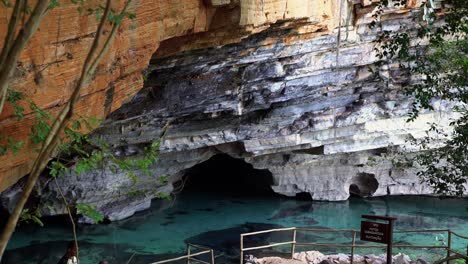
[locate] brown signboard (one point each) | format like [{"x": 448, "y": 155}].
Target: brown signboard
[{"x": 375, "y": 232}]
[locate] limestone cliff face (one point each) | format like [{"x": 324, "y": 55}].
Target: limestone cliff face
[
  {"x": 52, "y": 60},
  {"x": 287, "y": 99},
  {"x": 267, "y": 82}
]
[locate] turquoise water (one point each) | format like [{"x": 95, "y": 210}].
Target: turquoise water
[{"x": 217, "y": 219}]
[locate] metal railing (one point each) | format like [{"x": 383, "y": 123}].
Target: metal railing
[
  {"x": 191, "y": 256},
  {"x": 353, "y": 245}
]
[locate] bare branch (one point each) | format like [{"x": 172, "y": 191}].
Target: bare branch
[
  {"x": 109, "y": 40},
  {"x": 20, "y": 42},
  {"x": 10, "y": 37},
  {"x": 75, "y": 238},
  {"x": 52, "y": 139}
]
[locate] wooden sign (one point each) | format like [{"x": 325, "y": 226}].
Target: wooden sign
[
  {"x": 375, "y": 232},
  {"x": 379, "y": 232}
]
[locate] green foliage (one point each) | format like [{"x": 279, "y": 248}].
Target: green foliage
[
  {"x": 112, "y": 17},
  {"x": 76, "y": 144},
  {"x": 28, "y": 215},
  {"x": 157, "y": 194},
  {"x": 90, "y": 211},
  {"x": 130, "y": 165},
  {"x": 53, "y": 4},
  {"x": 6, "y": 3},
  {"x": 41, "y": 126},
  {"x": 136, "y": 193},
  {"x": 10, "y": 144},
  {"x": 89, "y": 155},
  {"x": 13, "y": 97},
  {"x": 57, "y": 169},
  {"x": 435, "y": 53},
  {"x": 163, "y": 179},
  {"x": 161, "y": 195}
]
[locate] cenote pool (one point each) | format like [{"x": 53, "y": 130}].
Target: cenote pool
[{"x": 216, "y": 220}]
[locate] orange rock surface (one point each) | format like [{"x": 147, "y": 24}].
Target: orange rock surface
[{"x": 52, "y": 60}]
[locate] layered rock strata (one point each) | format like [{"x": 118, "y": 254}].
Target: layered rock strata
[
  {"x": 51, "y": 62},
  {"x": 290, "y": 99}
]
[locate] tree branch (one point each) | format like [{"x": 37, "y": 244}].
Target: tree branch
[
  {"x": 109, "y": 40},
  {"x": 52, "y": 139},
  {"x": 10, "y": 37},
  {"x": 75, "y": 237},
  {"x": 20, "y": 42}
]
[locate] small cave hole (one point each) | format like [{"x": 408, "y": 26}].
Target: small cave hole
[
  {"x": 225, "y": 174},
  {"x": 363, "y": 185},
  {"x": 304, "y": 196}
]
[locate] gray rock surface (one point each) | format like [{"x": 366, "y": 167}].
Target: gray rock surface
[
  {"x": 278, "y": 100},
  {"x": 316, "y": 257}
]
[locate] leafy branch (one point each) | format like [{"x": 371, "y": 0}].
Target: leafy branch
[
  {"x": 434, "y": 53},
  {"x": 50, "y": 143}
]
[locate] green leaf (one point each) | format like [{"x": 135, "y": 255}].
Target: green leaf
[
  {"x": 162, "y": 195},
  {"x": 130, "y": 15},
  {"x": 15, "y": 145},
  {"x": 9, "y": 143},
  {"x": 13, "y": 97},
  {"x": 6, "y": 3},
  {"x": 98, "y": 12},
  {"x": 39, "y": 131},
  {"x": 76, "y": 125},
  {"x": 53, "y": 4},
  {"x": 27, "y": 215},
  {"x": 90, "y": 211},
  {"x": 57, "y": 169}
]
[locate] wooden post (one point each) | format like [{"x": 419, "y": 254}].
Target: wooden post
[
  {"x": 293, "y": 245},
  {"x": 212, "y": 256},
  {"x": 449, "y": 243},
  {"x": 242, "y": 249},
  {"x": 352, "y": 246},
  {"x": 188, "y": 253},
  {"x": 390, "y": 240}
]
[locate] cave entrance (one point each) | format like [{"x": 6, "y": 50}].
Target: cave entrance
[
  {"x": 363, "y": 185},
  {"x": 225, "y": 174}
]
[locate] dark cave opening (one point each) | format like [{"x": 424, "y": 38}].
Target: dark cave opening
[
  {"x": 304, "y": 196},
  {"x": 364, "y": 185},
  {"x": 225, "y": 174}
]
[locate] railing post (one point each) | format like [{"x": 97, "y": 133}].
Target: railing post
[
  {"x": 188, "y": 253},
  {"x": 293, "y": 245},
  {"x": 449, "y": 243},
  {"x": 352, "y": 246},
  {"x": 212, "y": 256},
  {"x": 242, "y": 249}
]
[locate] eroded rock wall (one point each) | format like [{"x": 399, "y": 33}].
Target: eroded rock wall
[
  {"x": 52, "y": 60},
  {"x": 290, "y": 102},
  {"x": 288, "y": 99}
]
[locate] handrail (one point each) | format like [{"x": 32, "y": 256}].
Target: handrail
[
  {"x": 268, "y": 231},
  {"x": 326, "y": 230},
  {"x": 198, "y": 246},
  {"x": 353, "y": 245},
  {"x": 422, "y": 231},
  {"x": 269, "y": 245},
  {"x": 181, "y": 257},
  {"x": 458, "y": 253},
  {"x": 458, "y": 235},
  {"x": 190, "y": 256}
]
